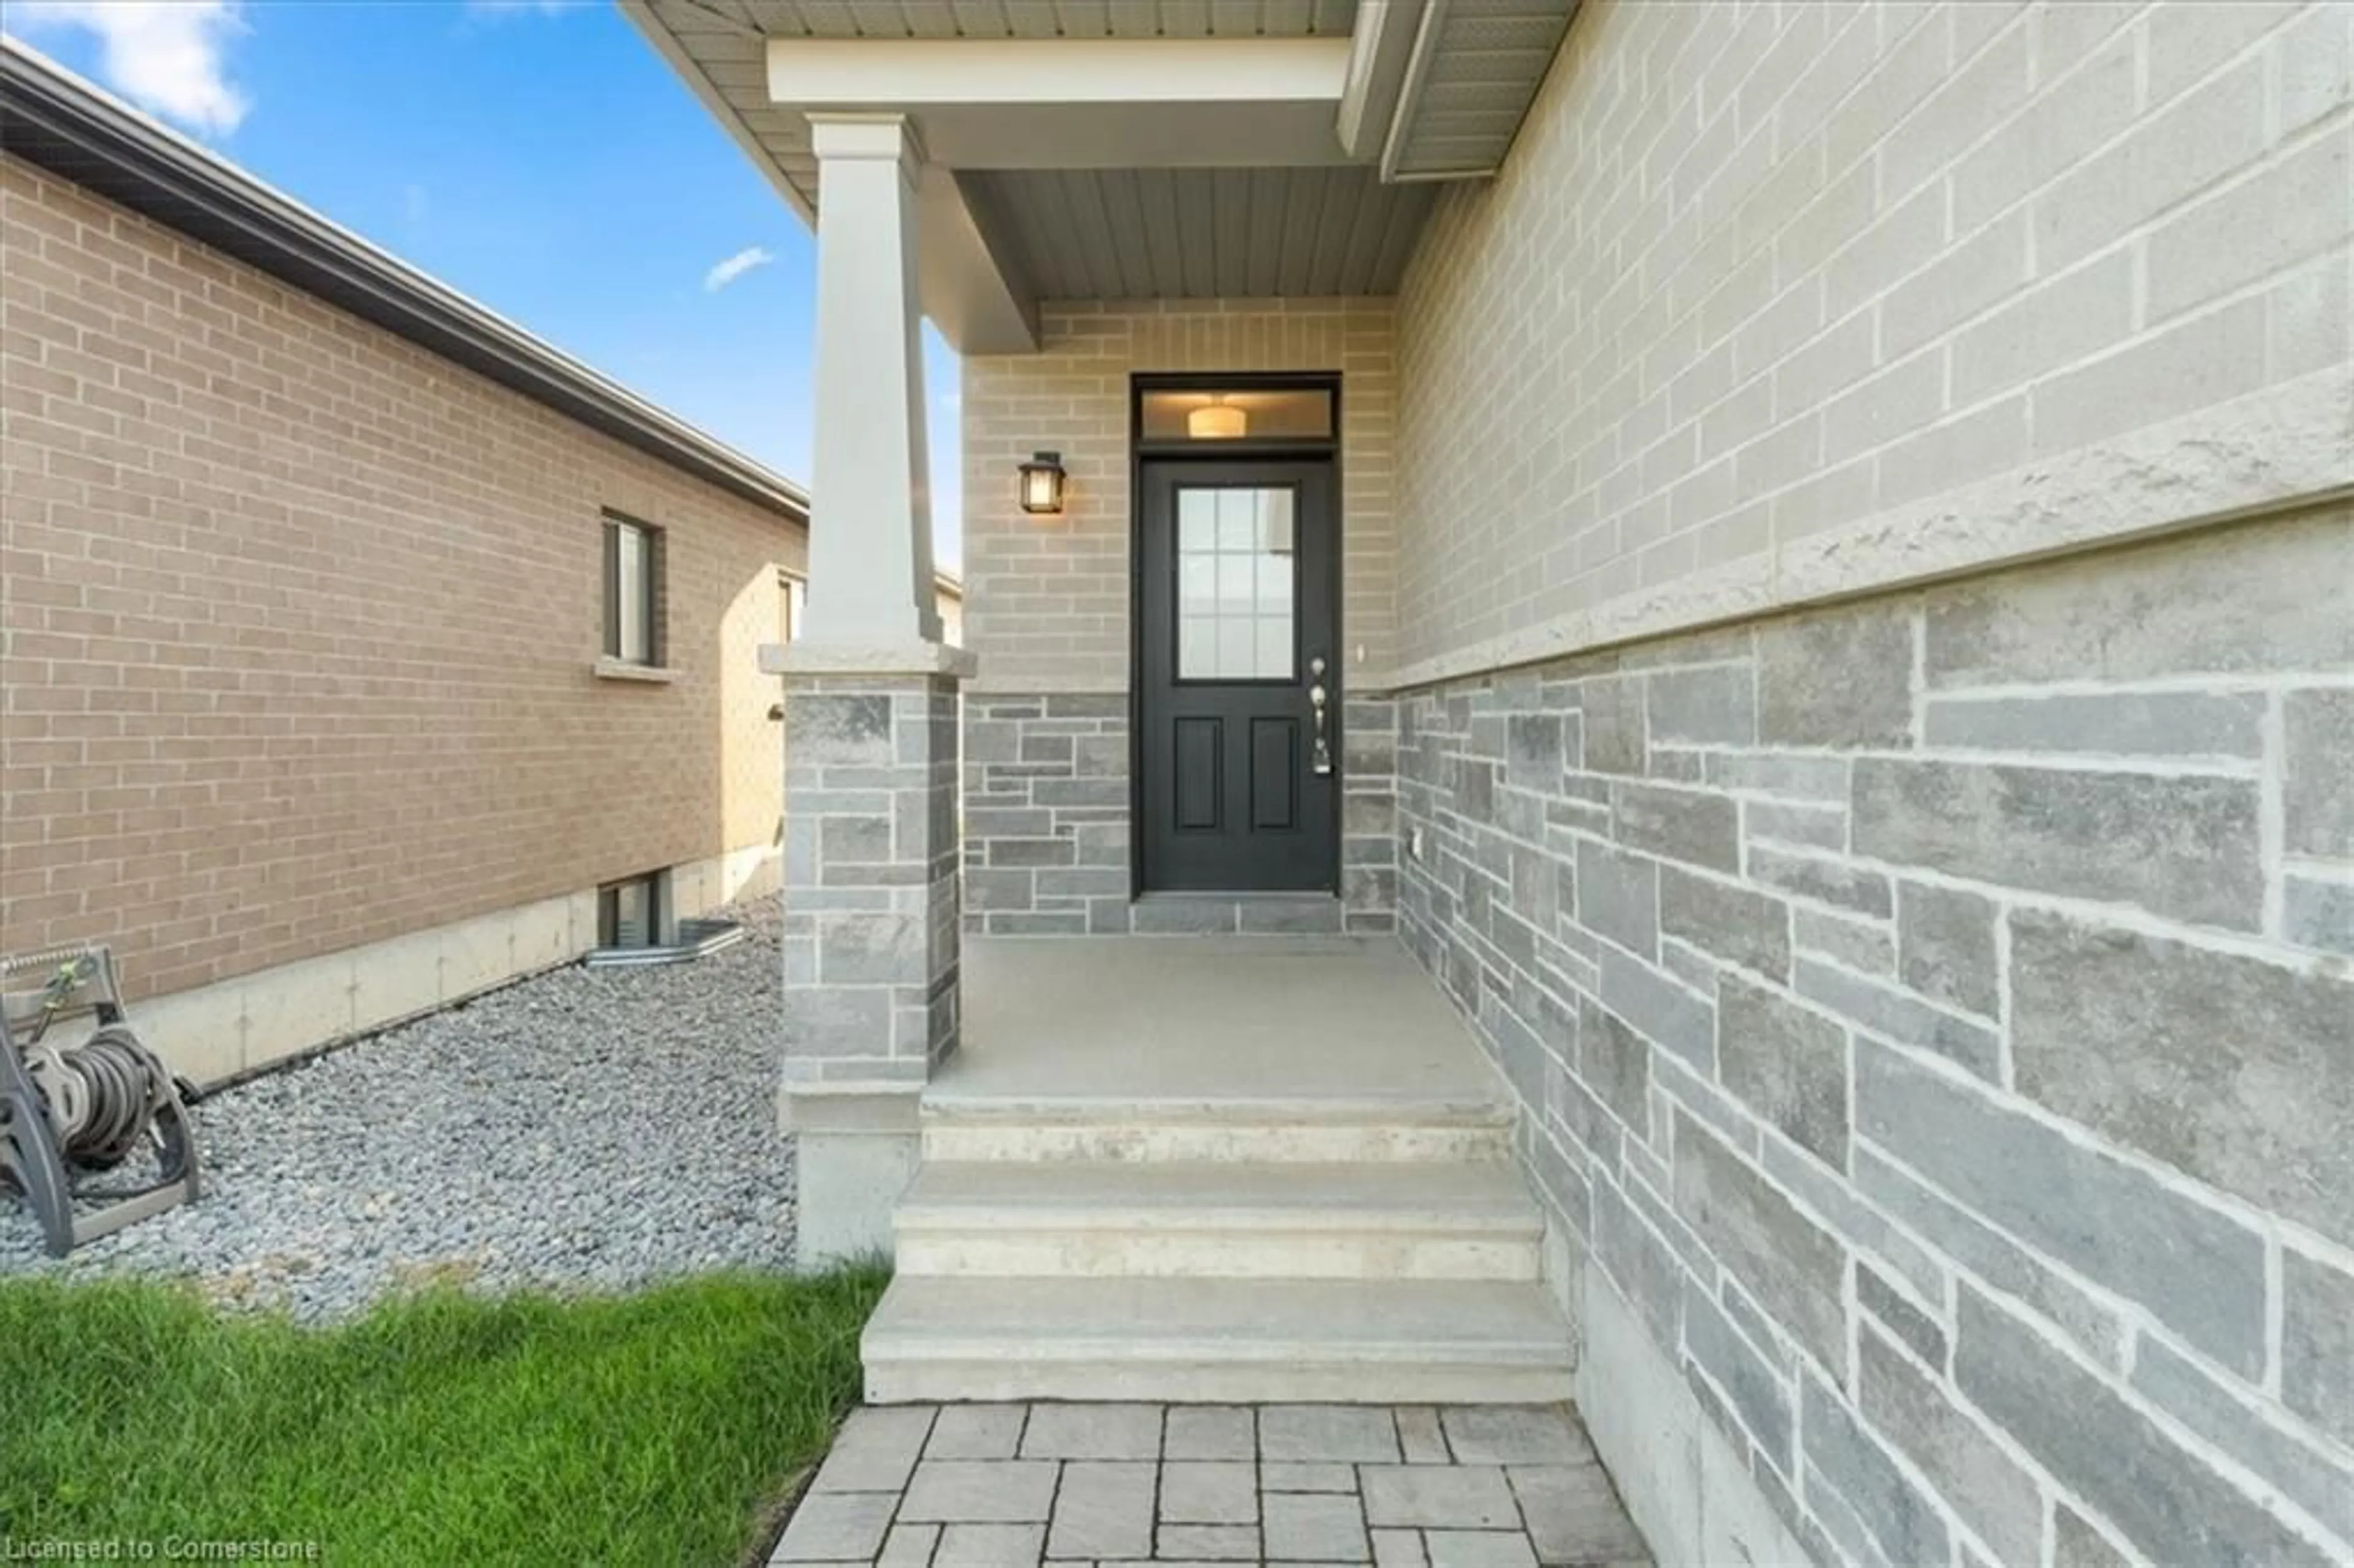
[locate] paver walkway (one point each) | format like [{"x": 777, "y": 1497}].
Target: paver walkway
[{"x": 992, "y": 1486}]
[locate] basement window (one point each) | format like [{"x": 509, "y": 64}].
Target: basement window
[
  {"x": 633, "y": 592},
  {"x": 637, "y": 924},
  {"x": 630, "y": 912}
]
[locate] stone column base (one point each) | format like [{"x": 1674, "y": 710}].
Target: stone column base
[{"x": 871, "y": 920}]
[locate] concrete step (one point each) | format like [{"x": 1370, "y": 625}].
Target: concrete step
[
  {"x": 1217, "y": 1341},
  {"x": 1160, "y": 1220},
  {"x": 1018, "y": 1129}
]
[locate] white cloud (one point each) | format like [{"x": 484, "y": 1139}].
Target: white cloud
[
  {"x": 166, "y": 56},
  {"x": 736, "y": 266}
]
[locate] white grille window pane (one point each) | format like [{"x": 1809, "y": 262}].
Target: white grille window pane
[
  {"x": 1197, "y": 584},
  {"x": 1274, "y": 521},
  {"x": 1237, "y": 579},
  {"x": 1197, "y": 522},
  {"x": 1237, "y": 648},
  {"x": 1275, "y": 585},
  {"x": 1234, "y": 581},
  {"x": 1274, "y": 649},
  {"x": 1237, "y": 519},
  {"x": 1197, "y": 647}
]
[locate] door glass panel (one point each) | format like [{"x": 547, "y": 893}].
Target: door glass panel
[{"x": 1237, "y": 581}]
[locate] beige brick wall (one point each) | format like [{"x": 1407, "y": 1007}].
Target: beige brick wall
[
  {"x": 1048, "y": 598},
  {"x": 1777, "y": 301},
  {"x": 301, "y": 621}
]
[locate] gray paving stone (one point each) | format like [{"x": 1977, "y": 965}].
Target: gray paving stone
[
  {"x": 876, "y": 1449},
  {"x": 835, "y": 1526},
  {"x": 1315, "y": 1529},
  {"x": 1093, "y": 1432},
  {"x": 1573, "y": 1514},
  {"x": 910, "y": 1546},
  {"x": 989, "y": 1545},
  {"x": 1516, "y": 1434},
  {"x": 976, "y": 1432},
  {"x": 1274, "y": 1476},
  {"x": 1211, "y": 1432},
  {"x": 1345, "y": 1434},
  {"x": 1420, "y": 1438},
  {"x": 1399, "y": 1549},
  {"x": 1479, "y": 1548},
  {"x": 1435, "y": 1496},
  {"x": 980, "y": 1491},
  {"x": 1103, "y": 1508},
  {"x": 1209, "y": 1492},
  {"x": 1209, "y": 1543}
]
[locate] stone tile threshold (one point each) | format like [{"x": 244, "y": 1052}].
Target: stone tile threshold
[{"x": 1014, "y": 1486}]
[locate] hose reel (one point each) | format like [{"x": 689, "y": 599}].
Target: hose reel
[{"x": 73, "y": 1110}]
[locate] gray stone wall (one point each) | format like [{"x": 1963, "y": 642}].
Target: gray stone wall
[
  {"x": 1933, "y": 1015},
  {"x": 870, "y": 872},
  {"x": 1046, "y": 808}
]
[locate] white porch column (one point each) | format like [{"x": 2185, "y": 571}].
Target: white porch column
[
  {"x": 870, "y": 530},
  {"x": 871, "y": 910}
]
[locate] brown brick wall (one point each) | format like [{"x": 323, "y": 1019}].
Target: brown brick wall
[{"x": 299, "y": 621}]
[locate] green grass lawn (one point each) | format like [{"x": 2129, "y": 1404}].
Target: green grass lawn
[{"x": 658, "y": 1428}]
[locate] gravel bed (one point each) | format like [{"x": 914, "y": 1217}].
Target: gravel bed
[{"x": 583, "y": 1129}]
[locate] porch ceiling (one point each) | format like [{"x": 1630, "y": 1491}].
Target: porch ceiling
[
  {"x": 1113, "y": 234},
  {"x": 1436, "y": 90},
  {"x": 722, "y": 45}
]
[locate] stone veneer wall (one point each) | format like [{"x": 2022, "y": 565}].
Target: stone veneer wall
[
  {"x": 1046, "y": 827},
  {"x": 871, "y": 889},
  {"x": 1932, "y": 1014}
]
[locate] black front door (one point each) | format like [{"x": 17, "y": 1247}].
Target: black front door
[{"x": 1237, "y": 620}]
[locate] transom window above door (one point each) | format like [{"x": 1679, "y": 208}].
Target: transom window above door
[
  {"x": 1214, "y": 414},
  {"x": 1238, "y": 583}
]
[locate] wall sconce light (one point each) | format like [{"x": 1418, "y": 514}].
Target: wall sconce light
[{"x": 1042, "y": 485}]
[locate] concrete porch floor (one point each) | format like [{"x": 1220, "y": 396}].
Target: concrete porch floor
[{"x": 1302, "y": 1024}]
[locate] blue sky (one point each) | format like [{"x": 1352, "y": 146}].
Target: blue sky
[{"x": 537, "y": 154}]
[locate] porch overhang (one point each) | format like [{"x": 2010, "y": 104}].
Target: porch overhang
[{"x": 1183, "y": 150}]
